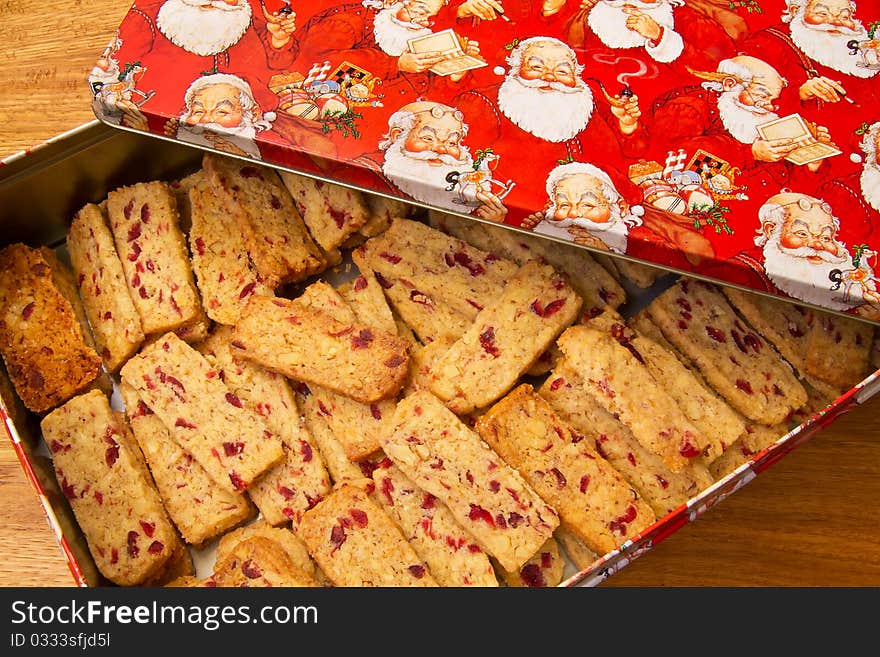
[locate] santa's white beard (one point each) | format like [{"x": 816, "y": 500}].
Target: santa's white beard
[
  {"x": 608, "y": 22},
  {"x": 740, "y": 120},
  {"x": 830, "y": 49},
  {"x": 870, "y": 180},
  {"x": 550, "y": 115},
  {"x": 392, "y": 34},
  {"x": 805, "y": 280},
  {"x": 612, "y": 233},
  {"x": 423, "y": 181},
  {"x": 243, "y": 136},
  {"x": 203, "y": 32}
]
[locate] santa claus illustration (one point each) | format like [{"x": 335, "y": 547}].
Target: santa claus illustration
[
  {"x": 810, "y": 47},
  {"x": 545, "y": 106},
  {"x": 597, "y": 208},
  {"x": 668, "y": 33},
  {"x": 583, "y": 197},
  {"x": 721, "y": 116},
  {"x": 822, "y": 30},
  {"x": 422, "y": 155},
  {"x": 183, "y": 39},
  {"x": 869, "y": 178},
  {"x": 856, "y": 195},
  {"x": 221, "y": 113},
  {"x": 375, "y": 34},
  {"x": 798, "y": 253}
]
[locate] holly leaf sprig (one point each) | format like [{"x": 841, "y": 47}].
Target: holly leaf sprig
[
  {"x": 751, "y": 6},
  {"x": 345, "y": 122},
  {"x": 712, "y": 216}
]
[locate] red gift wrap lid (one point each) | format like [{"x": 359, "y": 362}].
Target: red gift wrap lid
[{"x": 732, "y": 140}]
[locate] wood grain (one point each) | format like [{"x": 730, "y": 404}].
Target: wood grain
[{"x": 811, "y": 520}]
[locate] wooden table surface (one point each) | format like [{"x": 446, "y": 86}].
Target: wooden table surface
[{"x": 813, "y": 519}]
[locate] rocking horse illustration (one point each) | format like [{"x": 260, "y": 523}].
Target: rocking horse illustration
[
  {"x": 124, "y": 87},
  {"x": 479, "y": 178},
  {"x": 860, "y": 277}
]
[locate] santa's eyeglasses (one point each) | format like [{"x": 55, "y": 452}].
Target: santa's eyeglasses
[
  {"x": 439, "y": 112},
  {"x": 807, "y": 204}
]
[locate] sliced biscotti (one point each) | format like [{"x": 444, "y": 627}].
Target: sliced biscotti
[
  {"x": 300, "y": 479},
  {"x": 356, "y": 544},
  {"x": 592, "y": 499},
  {"x": 365, "y": 297},
  {"x": 309, "y": 345},
  {"x": 443, "y": 268},
  {"x": 838, "y": 350},
  {"x": 259, "y": 561},
  {"x": 112, "y": 496},
  {"x": 339, "y": 465},
  {"x": 383, "y": 209},
  {"x": 575, "y": 549},
  {"x": 625, "y": 388},
  {"x": 428, "y": 318},
  {"x": 180, "y": 188},
  {"x": 737, "y": 362},
  {"x": 506, "y": 338},
  {"x": 152, "y": 249},
  {"x": 422, "y": 361},
  {"x": 487, "y": 497},
  {"x": 331, "y": 212},
  {"x": 115, "y": 323},
  {"x": 450, "y": 553},
  {"x": 203, "y": 415},
  {"x": 544, "y": 569},
  {"x": 356, "y": 426},
  {"x": 662, "y": 488},
  {"x": 717, "y": 422},
  {"x": 198, "y": 507},
  {"x": 591, "y": 280},
  {"x": 289, "y": 542},
  {"x": 788, "y": 327},
  {"x": 47, "y": 353},
  {"x": 274, "y": 234},
  {"x": 179, "y": 565},
  {"x": 225, "y": 274},
  {"x": 754, "y": 439},
  {"x": 785, "y": 325}
]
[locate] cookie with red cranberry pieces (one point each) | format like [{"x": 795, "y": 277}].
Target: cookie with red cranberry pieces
[
  {"x": 645, "y": 471},
  {"x": 48, "y": 354},
  {"x": 506, "y": 338},
  {"x": 300, "y": 480},
  {"x": 309, "y": 345},
  {"x": 592, "y": 499},
  {"x": 225, "y": 273},
  {"x": 114, "y": 321},
  {"x": 626, "y": 389},
  {"x": 331, "y": 212},
  {"x": 730, "y": 355},
  {"x": 487, "y": 497},
  {"x": 231, "y": 442},
  {"x": 199, "y": 508},
  {"x": 259, "y": 562},
  {"x": 152, "y": 248},
  {"x": 451, "y": 554},
  {"x": 274, "y": 234},
  {"x": 544, "y": 569},
  {"x": 114, "y": 500},
  {"x": 356, "y": 544}
]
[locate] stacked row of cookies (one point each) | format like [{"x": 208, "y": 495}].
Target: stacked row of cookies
[{"x": 468, "y": 402}]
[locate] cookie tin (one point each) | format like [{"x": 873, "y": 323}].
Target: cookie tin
[{"x": 39, "y": 188}]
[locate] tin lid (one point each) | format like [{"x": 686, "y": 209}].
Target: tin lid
[{"x": 733, "y": 141}]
